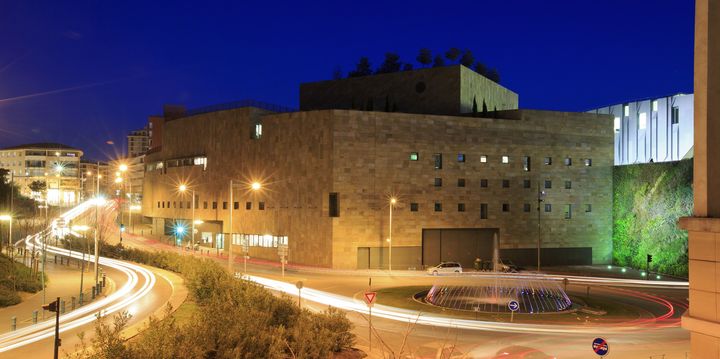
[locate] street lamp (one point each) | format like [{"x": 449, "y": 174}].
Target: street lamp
[
  {"x": 179, "y": 231},
  {"x": 255, "y": 186},
  {"x": 393, "y": 201},
  {"x": 182, "y": 189}
]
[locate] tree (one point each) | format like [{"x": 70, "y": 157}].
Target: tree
[
  {"x": 493, "y": 75},
  {"x": 467, "y": 58},
  {"x": 452, "y": 54},
  {"x": 407, "y": 67},
  {"x": 475, "y": 106},
  {"x": 37, "y": 186},
  {"x": 425, "y": 57},
  {"x": 363, "y": 68},
  {"x": 439, "y": 61},
  {"x": 480, "y": 68},
  {"x": 484, "y": 108},
  {"x": 390, "y": 65}
]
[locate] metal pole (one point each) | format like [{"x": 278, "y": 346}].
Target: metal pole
[
  {"x": 192, "y": 234},
  {"x": 43, "y": 271},
  {"x": 97, "y": 225},
  {"x": 57, "y": 327},
  {"x": 11, "y": 244},
  {"x": 129, "y": 205},
  {"x": 538, "y": 228},
  {"x": 229, "y": 245},
  {"x": 390, "y": 238}
]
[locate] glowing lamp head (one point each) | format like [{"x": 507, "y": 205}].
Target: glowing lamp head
[
  {"x": 58, "y": 168},
  {"x": 118, "y": 180},
  {"x": 393, "y": 200},
  {"x": 123, "y": 167},
  {"x": 179, "y": 230},
  {"x": 182, "y": 188},
  {"x": 5, "y": 217},
  {"x": 255, "y": 186}
]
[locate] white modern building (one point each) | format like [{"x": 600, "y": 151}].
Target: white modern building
[{"x": 652, "y": 130}]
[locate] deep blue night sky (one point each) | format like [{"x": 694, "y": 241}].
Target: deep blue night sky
[{"x": 122, "y": 60}]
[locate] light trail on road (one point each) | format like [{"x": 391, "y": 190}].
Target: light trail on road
[
  {"x": 411, "y": 316},
  {"x": 140, "y": 282}
]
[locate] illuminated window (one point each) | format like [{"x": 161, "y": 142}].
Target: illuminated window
[
  {"x": 568, "y": 161},
  {"x": 617, "y": 124},
  {"x": 461, "y": 157},
  {"x": 655, "y": 105},
  {"x": 526, "y": 163},
  {"x": 505, "y": 159},
  {"x": 483, "y": 159},
  {"x": 642, "y": 120},
  {"x": 626, "y": 110},
  {"x": 548, "y": 160},
  {"x": 257, "y": 131},
  {"x": 588, "y": 162},
  {"x": 414, "y": 156}
]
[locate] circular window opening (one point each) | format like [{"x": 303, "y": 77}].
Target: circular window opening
[{"x": 420, "y": 87}]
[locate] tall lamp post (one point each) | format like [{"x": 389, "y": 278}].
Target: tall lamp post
[
  {"x": 540, "y": 198},
  {"x": 393, "y": 201},
  {"x": 123, "y": 168},
  {"x": 255, "y": 186},
  {"x": 183, "y": 188}
]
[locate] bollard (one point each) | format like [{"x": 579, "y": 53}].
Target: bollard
[
  {"x": 55, "y": 259},
  {"x": 13, "y": 323},
  {"x": 72, "y": 303},
  {"x": 34, "y": 318},
  {"x": 92, "y": 292},
  {"x": 104, "y": 281},
  {"x": 62, "y": 307}
]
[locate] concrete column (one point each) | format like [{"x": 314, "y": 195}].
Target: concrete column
[{"x": 703, "y": 317}]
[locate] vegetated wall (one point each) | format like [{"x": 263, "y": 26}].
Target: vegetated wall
[{"x": 648, "y": 200}]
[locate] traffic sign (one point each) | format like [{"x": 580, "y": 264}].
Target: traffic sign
[
  {"x": 513, "y": 305},
  {"x": 600, "y": 346},
  {"x": 370, "y": 298}
]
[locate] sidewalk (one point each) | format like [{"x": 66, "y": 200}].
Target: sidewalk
[{"x": 62, "y": 281}]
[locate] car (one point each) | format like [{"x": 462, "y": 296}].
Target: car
[
  {"x": 507, "y": 266},
  {"x": 445, "y": 267}
]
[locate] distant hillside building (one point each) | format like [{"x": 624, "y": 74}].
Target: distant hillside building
[
  {"x": 652, "y": 130},
  {"x": 328, "y": 173},
  {"x": 138, "y": 141},
  {"x": 89, "y": 178},
  {"x": 54, "y": 164}
]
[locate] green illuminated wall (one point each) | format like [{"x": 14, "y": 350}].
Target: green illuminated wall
[{"x": 648, "y": 200}]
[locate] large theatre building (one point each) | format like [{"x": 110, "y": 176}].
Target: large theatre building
[{"x": 328, "y": 173}]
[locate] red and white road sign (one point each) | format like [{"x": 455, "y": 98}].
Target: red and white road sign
[{"x": 370, "y": 298}]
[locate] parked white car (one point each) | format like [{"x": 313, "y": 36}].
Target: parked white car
[{"x": 445, "y": 267}]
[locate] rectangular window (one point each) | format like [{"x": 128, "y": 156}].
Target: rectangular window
[
  {"x": 506, "y": 207},
  {"x": 526, "y": 183},
  {"x": 483, "y": 159},
  {"x": 548, "y": 184},
  {"x": 506, "y": 183},
  {"x": 257, "y": 131},
  {"x": 224, "y": 205},
  {"x": 675, "y": 115},
  {"x": 248, "y": 205},
  {"x": 461, "y": 182},
  {"x": 261, "y": 206},
  {"x": 413, "y": 207},
  {"x": 438, "y": 182},
  {"x": 214, "y": 205},
  {"x": 505, "y": 159},
  {"x": 461, "y": 207},
  {"x": 205, "y": 205},
  {"x": 437, "y": 158},
  {"x": 642, "y": 120},
  {"x": 483, "y": 183},
  {"x": 548, "y": 207},
  {"x": 526, "y": 207},
  {"x": 438, "y": 207},
  {"x": 526, "y": 163},
  {"x": 333, "y": 208},
  {"x": 568, "y": 161},
  {"x": 568, "y": 185},
  {"x": 174, "y": 204},
  {"x": 548, "y": 160},
  {"x": 187, "y": 204},
  {"x": 414, "y": 156},
  {"x": 655, "y": 105},
  {"x": 588, "y": 208},
  {"x": 483, "y": 211},
  {"x": 158, "y": 204},
  {"x": 588, "y": 162},
  {"x": 236, "y": 205},
  {"x": 568, "y": 211},
  {"x": 616, "y": 124},
  {"x": 181, "y": 204},
  {"x": 461, "y": 157},
  {"x": 626, "y": 110}
]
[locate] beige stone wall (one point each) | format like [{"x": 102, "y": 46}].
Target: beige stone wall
[
  {"x": 292, "y": 159},
  {"x": 372, "y": 163},
  {"x": 474, "y": 87}
]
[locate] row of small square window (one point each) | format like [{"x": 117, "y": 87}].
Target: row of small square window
[
  {"x": 505, "y": 183},
  {"x": 236, "y": 205},
  {"x": 415, "y": 207},
  {"x": 437, "y": 158}
]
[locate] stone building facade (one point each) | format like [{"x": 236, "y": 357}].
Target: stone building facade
[{"x": 328, "y": 175}]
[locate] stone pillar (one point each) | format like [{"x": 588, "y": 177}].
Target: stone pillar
[{"x": 703, "y": 317}]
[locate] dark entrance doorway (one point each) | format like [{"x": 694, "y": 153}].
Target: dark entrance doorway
[{"x": 461, "y": 245}]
